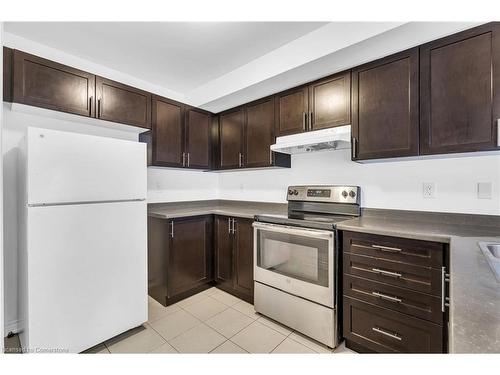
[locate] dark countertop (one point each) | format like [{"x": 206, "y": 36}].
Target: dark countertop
[{"x": 219, "y": 207}]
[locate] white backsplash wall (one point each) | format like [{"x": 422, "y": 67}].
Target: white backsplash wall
[
  {"x": 394, "y": 185},
  {"x": 175, "y": 185}
]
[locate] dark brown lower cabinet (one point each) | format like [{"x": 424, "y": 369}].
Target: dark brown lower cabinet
[
  {"x": 381, "y": 330},
  {"x": 180, "y": 257},
  {"x": 234, "y": 256},
  {"x": 393, "y": 294}
]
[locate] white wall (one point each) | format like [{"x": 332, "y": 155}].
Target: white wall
[{"x": 395, "y": 185}]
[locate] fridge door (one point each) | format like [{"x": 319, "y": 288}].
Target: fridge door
[
  {"x": 87, "y": 274},
  {"x": 65, "y": 167}
]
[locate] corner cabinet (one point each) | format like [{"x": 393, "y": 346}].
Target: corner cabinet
[
  {"x": 460, "y": 91},
  {"x": 385, "y": 105},
  {"x": 180, "y": 257},
  {"x": 234, "y": 256},
  {"x": 246, "y": 134},
  {"x": 325, "y": 103},
  {"x": 180, "y": 135}
]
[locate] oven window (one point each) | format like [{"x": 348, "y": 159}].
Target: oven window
[{"x": 299, "y": 257}]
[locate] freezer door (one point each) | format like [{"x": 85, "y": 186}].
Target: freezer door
[
  {"x": 87, "y": 274},
  {"x": 65, "y": 167}
]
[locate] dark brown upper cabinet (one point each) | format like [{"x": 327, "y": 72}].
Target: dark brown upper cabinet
[
  {"x": 246, "y": 134},
  {"x": 385, "y": 104},
  {"x": 460, "y": 91},
  {"x": 330, "y": 102},
  {"x": 8, "y": 56},
  {"x": 292, "y": 111},
  {"x": 259, "y": 133},
  {"x": 121, "y": 103},
  {"x": 322, "y": 104},
  {"x": 198, "y": 128},
  {"x": 47, "y": 84},
  {"x": 167, "y": 133},
  {"x": 180, "y": 137},
  {"x": 231, "y": 138}
]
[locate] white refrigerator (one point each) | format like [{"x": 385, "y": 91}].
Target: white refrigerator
[{"x": 82, "y": 239}]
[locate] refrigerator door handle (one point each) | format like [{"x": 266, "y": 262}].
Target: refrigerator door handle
[{"x": 84, "y": 202}]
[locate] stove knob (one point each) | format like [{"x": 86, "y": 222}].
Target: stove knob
[
  {"x": 290, "y": 192},
  {"x": 344, "y": 194},
  {"x": 295, "y": 192},
  {"x": 352, "y": 194}
]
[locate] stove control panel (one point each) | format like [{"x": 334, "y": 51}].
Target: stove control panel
[{"x": 327, "y": 194}]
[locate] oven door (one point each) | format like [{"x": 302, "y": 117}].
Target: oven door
[{"x": 298, "y": 261}]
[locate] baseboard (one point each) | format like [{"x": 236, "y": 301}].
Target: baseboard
[{"x": 12, "y": 326}]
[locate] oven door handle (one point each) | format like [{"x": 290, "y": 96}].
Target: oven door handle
[{"x": 315, "y": 233}]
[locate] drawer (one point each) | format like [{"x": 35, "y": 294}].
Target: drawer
[
  {"x": 385, "y": 331},
  {"x": 403, "y": 300},
  {"x": 422, "y": 279},
  {"x": 422, "y": 253}
]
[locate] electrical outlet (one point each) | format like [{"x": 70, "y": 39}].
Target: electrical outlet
[
  {"x": 429, "y": 190},
  {"x": 484, "y": 190}
]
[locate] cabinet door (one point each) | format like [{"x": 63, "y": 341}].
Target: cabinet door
[
  {"x": 189, "y": 254},
  {"x": 231, "y": 134},
  {"x": 291, "y": 111},
  {"x": 330, "y": 102},
  {"x": 223, "y": 251},
  {"x": 259, "y": 129},
  {"x": 121, "y": 103},
  {"x": 8, "y": 55},
  {"x": 385, "y": 107},
  {"x": 168, "y": 134},
  {"x": 460, "y": 95},
  {"x": 198, "y": 138},
  {"x": 44, "y": 83},
  {"x": 243, "y": 256}
]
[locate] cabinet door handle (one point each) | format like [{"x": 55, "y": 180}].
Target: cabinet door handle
[
  {"x": 354, "y": 150},
  {"x": 234, "y": 230},
  {"x": 99, "y": 108},
  {"x": 394, "y": 336},
  {"x": 386, "y": 273},
  {"x": 90, "y": 104},
  {"x": 304, "y": 121},
  {"x": 229, "y": 226},
  {"x": 188, "y": 159},
  {"x": 387, "y": 249},
  {"x": 270, "y": 157},
  {"x": 240, "y": 159},
  {"x": 310, "y": 120},
  {"x": 386, "y": 297},
  {"x": 172, "y": 229},
  {"x": 445, "y": 277},
  {"x": 183, "y": 159}
]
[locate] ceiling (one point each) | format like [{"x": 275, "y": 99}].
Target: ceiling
[
  {"x": 218, "y": 65},
  {"x": 179, "y": 55}
]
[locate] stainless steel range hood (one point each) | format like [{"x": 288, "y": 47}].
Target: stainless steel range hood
[{"x": 318, "y": 140}]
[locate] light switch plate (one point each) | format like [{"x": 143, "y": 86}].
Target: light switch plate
[{"x": 484, "y": 190}]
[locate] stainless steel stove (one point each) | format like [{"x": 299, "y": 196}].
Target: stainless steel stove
[{"x": 296, "y": 259}]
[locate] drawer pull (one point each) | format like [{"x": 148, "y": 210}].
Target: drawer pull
[
  {"x": 386, "y": 297},
  {"x": 387, "y": 249},
  {"x": 386, "y": 273},
  {"x": 394, "y": 336}
]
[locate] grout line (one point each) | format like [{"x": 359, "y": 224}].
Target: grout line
[{"x": 246, "y": 351}]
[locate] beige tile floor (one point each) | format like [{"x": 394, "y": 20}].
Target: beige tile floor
[{"x": 212, "y": 321}]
